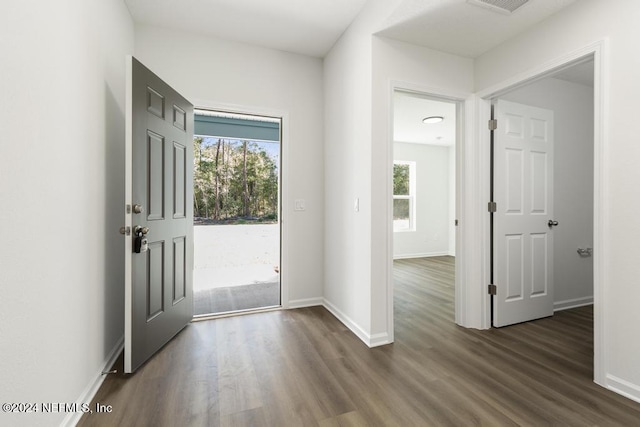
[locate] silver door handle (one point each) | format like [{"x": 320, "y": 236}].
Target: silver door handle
[
  {"x": 552, "y": 223},
  {"x": 140, "y": 230},
  {"x": 585, "y": 251}
]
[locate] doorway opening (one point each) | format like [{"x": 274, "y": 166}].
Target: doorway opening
[
  {"x": 237, "y": 232},
  {"x": 557, "y": 272},
  {"x": 424, "y": 201}
]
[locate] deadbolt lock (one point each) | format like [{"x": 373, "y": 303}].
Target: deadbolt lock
[
  {"x": 140, "y": 230},
  {"x": 140, "y": 241}
]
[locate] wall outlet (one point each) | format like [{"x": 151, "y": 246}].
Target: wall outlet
[{"x": 299, "y": 205}]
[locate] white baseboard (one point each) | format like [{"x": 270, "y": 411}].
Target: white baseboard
[
  {"x": 572, "y": 303},
  {"x": 307, "y": 302},
  {"x": 377, "y": 340},
  {"x": 421, "y": 255},
  {"x": 623, "y": 387},
  {"x": 92, "y": 388},
  {"x": 370, "y": 340}
]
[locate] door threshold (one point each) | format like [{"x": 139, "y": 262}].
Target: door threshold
[{"x": 213, "y": 316}]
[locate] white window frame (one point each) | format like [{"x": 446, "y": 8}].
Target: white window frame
[{"x": 411, "y": 197}]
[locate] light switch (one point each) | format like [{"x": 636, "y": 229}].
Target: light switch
[
  {"x": 299, "y": 205},
  {"x": 356, "y": 204}
]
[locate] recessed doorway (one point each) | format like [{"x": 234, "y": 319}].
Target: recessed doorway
[
  {"x": 237, "y": 241},
  {"x": 566, "y": 151},
  {"x": 424, "y": 198}
]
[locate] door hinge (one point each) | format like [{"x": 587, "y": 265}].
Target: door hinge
[
  {"x": 493, "y": 124},
  {"x": 493, "y": 289},
  {"x": 492, "y": 207}
]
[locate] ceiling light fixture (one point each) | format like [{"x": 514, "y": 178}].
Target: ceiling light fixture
[{"x": 432, "y": 119}]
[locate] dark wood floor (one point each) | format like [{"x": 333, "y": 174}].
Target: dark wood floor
[{"x": 303, "y": 367}]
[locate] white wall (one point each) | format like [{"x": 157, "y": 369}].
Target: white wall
[
  {"x": 583, "y": 23},
  {"x": 61, "y": 198},
  {"x": 213, "y": 72},
  {"x": 410, "y": 67},
  {"x": 431, "y": 236},
  {"x": 572, "y": 105},
  {"x": 347, "y": 115},
  {"x": 359, "y": 72}
]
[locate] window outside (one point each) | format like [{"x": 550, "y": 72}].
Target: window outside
[{"x": 404, "y": 196}]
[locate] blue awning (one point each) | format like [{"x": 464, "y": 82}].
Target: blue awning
[{"x": 236, "y": 128}]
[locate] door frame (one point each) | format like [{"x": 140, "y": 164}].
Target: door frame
[
  {"x": 598, "y": 51},
  {"x": 461, "y": 206},
  {"x": 284, "y": 199}
]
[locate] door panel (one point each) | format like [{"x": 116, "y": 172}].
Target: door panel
[
  {"x": 514, "y": 181},
  {"x": 539, "y": 185},
  {"x": 523, "y": 192},
  {"x": 155, "y": 159},
  {"x": 158, "y": 295},
  {"x": 179, "y": 180},
  {"x": 179, "y": 269},
  {"x": 539, "y": 254},
  {"x": 515, "y": 267}
]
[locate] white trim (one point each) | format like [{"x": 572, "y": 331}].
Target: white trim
[
  {"x": 572, "y": 303},
  {"x": 205, "y": 317},
  {"x": 472, "y": 245},
  {"x": 601, "y": 204},
  {"x": 623, "y": 387},
  {"x": 422, "y": 255},
  {"x": 374, "y": 340},
  {"x": 484, "y": 113},
  {"x": 285, "y": 200},
  {"x": 388, "y": 189},
  {"x": 305, "y": 302},
  {"x": 377, "y": 340},
  {"x": 543, "y": 70},
  {"x": 92, "y": 388},
  {"x": 599, "y": 51},
  {"x": 462, "y": 142},
  {"x": 429, "y": 91}
]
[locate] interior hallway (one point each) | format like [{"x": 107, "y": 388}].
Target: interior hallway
[{"x": 304, "y": 367}]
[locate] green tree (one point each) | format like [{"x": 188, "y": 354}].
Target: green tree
[
  {"x": 234, "y": 179},
  {"x": 400, "y": 180}
]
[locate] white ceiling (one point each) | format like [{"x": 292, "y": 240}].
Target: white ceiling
[
  {"x": 408, "y": 111},
  {"x": 462, "y": 28},
  {"x": 309, "y": 27}
]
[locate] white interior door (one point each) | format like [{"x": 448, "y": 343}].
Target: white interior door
[
  {"x": 523, "y": 234},
  {"x": 159, "y": 196}
]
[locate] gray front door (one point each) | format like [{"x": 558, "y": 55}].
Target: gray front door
[{"x": 159, "y": 197}]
